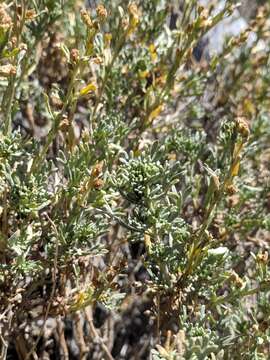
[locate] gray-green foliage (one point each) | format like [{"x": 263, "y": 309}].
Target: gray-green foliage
[{"x": 134, "y": 143}]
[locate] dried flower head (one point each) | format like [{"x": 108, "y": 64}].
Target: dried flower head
[
  {"x": 98, "y": 184},
  {"x": 5, "y": 19},
  {"x": 263, "y": 257},
  {"x": 242, "y": 127},
  {"x": 101, "y": 12},
  {"x": 7, "y": 70},
  {"x": 74, "y": 55},
  {"x": 64, "y": 124},
  {"x": 204, "y": 19},
  {"x": 30, "y": 14},
  {"x": 86, "y": 19},
  {"x": 134, "y": 15},
  {"x": 236, "y": 280},
  {"x": 97, "y": 169},
  {"x": 231, "y": 189},
  {"x": 133, "y": 10},
  {"x": 98, "y": 60},
  {"x": 56, "y": 102},
  {"x": 233, "y": 200},
  {"x": 200, "y": 9}
]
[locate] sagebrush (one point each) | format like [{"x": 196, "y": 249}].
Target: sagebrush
[{"x": 134, "y": 182}]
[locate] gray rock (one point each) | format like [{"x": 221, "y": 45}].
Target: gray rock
[{"x": 230, "y": 26}]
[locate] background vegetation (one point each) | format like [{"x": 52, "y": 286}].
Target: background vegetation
[{"x": 134, "y": 182}]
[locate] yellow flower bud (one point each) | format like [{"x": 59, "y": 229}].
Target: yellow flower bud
[
  {"x": 87, "y": 89},
  {"x": 154, "y": 113}
]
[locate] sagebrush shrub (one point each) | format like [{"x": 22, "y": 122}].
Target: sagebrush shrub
[{"x": 134, "y": 182}]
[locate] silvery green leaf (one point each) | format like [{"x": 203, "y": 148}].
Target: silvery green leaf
[{"x": 220, "y": 251}]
